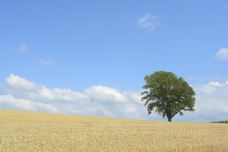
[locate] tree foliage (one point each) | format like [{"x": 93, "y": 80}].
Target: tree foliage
[{"x": 167, "y": 94}]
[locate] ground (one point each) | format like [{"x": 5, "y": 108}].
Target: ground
[{"x": 43, "y": 132}]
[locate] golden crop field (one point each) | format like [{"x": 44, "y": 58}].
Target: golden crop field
[{"x": 42, "y": 132}]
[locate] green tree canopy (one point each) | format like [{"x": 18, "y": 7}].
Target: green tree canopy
[{"x": 167, "y": 94}]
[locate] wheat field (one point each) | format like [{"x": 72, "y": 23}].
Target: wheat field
[{"x": 42, "y": 132}]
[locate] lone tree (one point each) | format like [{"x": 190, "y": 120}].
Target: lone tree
[{"x": 167, "y": 94}]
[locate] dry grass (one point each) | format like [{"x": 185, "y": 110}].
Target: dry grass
[{"x": 41, "y": 132}]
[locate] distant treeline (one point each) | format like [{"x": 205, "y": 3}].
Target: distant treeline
[{"x": 223, "y": 121}]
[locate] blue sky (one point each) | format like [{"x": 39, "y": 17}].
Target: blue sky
[{"x": 81, "y": 44}]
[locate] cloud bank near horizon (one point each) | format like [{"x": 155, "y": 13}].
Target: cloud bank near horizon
[{"x": 20, "y": 93}]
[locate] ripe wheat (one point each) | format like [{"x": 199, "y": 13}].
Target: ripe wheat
[{"x": 42, "y": 132}]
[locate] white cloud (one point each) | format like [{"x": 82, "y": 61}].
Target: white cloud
[
  {"x": 57, "y": 94},
  {"x": 105, "y": 94},
  {"x": 20, "y": 93},
  {"x": 148, "y": 21},
  {"x": 8, "y": 101},
  {"x": 130, "y": 109},
  {"x": 222, "y": 54},
  {"x": 212, "y": 101},
  {"x": 215, "y": 84},
  {"x": 211, "y": 87},
  {"x": 47, "y": 61},
  {"x": 14, "y": 81},
  {"x": 23, "y": 48}
]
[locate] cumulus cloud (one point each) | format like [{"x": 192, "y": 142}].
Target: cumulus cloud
[
  {"x": 212, "y": 101},
  {"x": 23, "y": 48},
  {"x": 148, "y": 21},
  {"x": 20, "y": 93},
  {"x": 15, "y": 81},
  {"x": 222, "y": 54},
  {"x": 105, "y": 94},
  {"x": 57, "y": 94},
  {"x": 8, "y": 101}
]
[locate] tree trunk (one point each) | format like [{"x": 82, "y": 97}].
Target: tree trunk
[{"x": 169, "y": 119}]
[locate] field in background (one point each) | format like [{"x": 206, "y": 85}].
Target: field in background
[{"x": 42, "y": 132}]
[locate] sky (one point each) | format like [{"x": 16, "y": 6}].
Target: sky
[{"x": 90, "y": 57}]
